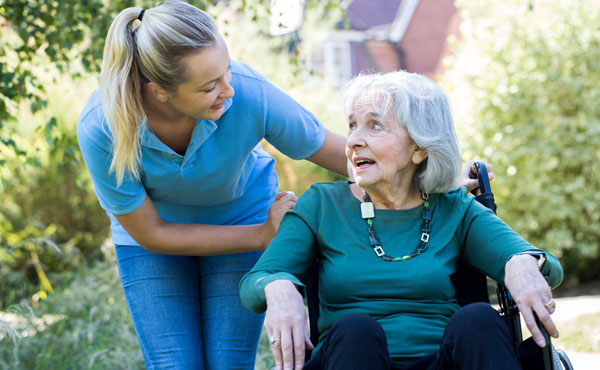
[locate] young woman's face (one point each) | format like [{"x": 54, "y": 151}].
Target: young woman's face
[{"x": 203, "y": 95}]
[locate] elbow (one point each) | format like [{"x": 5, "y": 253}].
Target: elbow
[
  {"x": 151, "y": 247},
  {"x": 155, "y": 237},
  {"x": 152, "y": 242}
]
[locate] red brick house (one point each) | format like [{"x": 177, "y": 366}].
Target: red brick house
[{"x": 386, "y": 35}]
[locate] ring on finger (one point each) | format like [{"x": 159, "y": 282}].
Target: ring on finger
[
  {"x": 551, "y": 304},
  {"x": 273, "y": 340}
]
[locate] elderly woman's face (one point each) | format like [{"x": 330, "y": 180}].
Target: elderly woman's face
[{"x": 380, "y": 150}]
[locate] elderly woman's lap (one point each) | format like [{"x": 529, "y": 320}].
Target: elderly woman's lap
[{"x": 476, "y": 337}]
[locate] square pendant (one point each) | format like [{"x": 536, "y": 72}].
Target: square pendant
[{"x": 367, "y": 210}]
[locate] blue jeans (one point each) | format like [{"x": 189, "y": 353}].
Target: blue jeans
[{"x": 186, "y": 310}]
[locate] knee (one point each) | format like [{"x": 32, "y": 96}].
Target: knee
[
  {"x": 358, "y": 325},
  {"x": 473, "y": 320},
  {"x": 356, "y": 341}
]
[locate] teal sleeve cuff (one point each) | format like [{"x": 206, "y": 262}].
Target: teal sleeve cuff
[
  {"x": 551, "y": 268},
  {"x": 252, "y": 289}
]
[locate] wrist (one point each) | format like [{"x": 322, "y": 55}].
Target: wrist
[
  {"x": 538, "y": 257},
  {"x": 278, "y": 285}
]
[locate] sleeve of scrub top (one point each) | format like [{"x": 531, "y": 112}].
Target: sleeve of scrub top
[
  {"x": 95, "y": 145},
  {"x": 290, "y": 127}
]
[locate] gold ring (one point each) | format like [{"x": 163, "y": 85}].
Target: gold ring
[
  {"x": 551, "y": 304},
  {"x": 273, "y": 340}
]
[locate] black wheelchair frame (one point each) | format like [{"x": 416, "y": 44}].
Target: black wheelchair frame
[{"x": 471, "y": 287}]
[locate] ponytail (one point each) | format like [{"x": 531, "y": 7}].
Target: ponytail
[{"x": 121, "y": 94}]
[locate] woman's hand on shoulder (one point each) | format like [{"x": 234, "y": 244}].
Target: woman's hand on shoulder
[
  {"x": 284, "y": 201},
  {"x": 532, "y": 294},
  {"x": 286, "y": 325},
  {"x": 465, "y": 180}
]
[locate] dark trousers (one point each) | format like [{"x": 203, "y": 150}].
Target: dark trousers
[{"x": 476, "y": 338}]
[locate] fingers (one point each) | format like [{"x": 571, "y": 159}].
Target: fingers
[
  {"x": 543, "y": 312},
  {"x": 299, "y": 346},
  {"x": 308, "y": 344},
  {"x": 529, "y": 319},
  {"x": 282, "y": 194},
  {"x": 544, "y": 317},
  {"x": 490, "y": 172},
  {"x": 284, "y": 201},
  {"x": 275, "y": 345},
  {"x": 286, "y": 320},
  {"x": 287, "y": 349}
]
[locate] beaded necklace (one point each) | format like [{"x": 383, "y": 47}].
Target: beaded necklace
[{"x": 368, "y": 213}]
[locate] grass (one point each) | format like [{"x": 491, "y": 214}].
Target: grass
[
  {"x": 83, "y": 325},
  {"x": 582, "y": 334}
]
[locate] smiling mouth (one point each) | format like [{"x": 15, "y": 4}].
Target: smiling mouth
[{"x": 218, "y": 106}]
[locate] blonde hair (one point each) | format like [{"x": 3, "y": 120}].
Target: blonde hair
[
  {"x": 421, "y": 106},
  {"x": 151, "y": 52}
]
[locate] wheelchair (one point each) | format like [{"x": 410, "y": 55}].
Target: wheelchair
[{"x": 471, "y": 287}]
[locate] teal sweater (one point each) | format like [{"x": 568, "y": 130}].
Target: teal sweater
[{"x": 413, "y": 299}]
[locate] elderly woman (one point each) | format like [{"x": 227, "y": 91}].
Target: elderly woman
[{"x": 387, "y": 245}]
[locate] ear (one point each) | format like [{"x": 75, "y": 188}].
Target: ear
[
  {"x": 158, "y": 92},
  {"x": 419, "y": 155}
]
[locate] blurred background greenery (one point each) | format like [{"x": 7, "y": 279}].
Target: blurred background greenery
[{"x": 524, "y": 82}]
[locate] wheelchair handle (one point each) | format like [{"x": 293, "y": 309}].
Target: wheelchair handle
[
  {"x": 486, "y": 197},
  {"x": 480, "y": 172}
]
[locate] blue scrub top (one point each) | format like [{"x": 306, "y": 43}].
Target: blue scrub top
[{"x": 224, "y": 178}]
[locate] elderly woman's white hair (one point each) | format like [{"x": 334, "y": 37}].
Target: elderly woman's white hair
[{"x": 421, "y": 106}]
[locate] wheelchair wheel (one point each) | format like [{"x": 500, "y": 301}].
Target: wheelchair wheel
[{"x": 564, "y": 359}]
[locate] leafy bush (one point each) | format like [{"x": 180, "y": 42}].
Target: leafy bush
[
  {"x": 50, "y": 220},
  {"x": 524, "y": 83}
]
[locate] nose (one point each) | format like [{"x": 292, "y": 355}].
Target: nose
[
  {"x": 355, "y": 140},
  {"x": 228, "y": 91}
]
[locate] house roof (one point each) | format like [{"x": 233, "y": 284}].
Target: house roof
[{"x": 365, "y": 14}]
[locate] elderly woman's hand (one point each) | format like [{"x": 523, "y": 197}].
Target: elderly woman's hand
[
  {"x": 465, "y": 181},
  {"x": 286, "y": 325},
  {"x": 532, "y": 294}
]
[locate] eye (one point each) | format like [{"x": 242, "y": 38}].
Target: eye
[
  {"x": 211, "y": 89},
  {"x": 376, "y": 125},
  {"x": 351, "y": 126}
]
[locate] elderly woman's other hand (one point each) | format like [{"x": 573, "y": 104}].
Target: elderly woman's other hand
[
  {"x": 532, "y": 294},
  {"x": 286, "y": 325},
  {"x": 465, "y": 180}
]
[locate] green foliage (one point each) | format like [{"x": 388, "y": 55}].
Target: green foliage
[
  {"x": 50, "y": 220},
  {"x": 525, "y": 88},
  {"x": 75, "y": 328},
  {"x": 62, "y": 31}
]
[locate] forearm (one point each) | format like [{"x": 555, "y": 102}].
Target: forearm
[
  {"x": 203, "y": 240},
  {"x": 147, "y": 227},
  {"x": 332, "y": 154}
]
